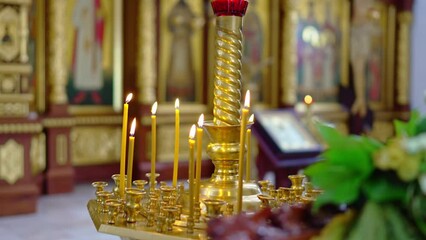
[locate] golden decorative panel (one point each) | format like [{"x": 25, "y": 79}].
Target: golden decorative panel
[
  {"x": 38, "y": 153},
  {"x": 11, "y": 161},
  {"x": 15, "y": 86},
  {"x": 166, "y": 145},
  {"x": 95, "y": 145},
  {"x": 61, "y": 149},
  {"x": 10, "y": 30}
]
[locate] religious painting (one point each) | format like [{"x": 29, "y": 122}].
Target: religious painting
[
  {"x": 319, "y": 41},
  {"x": 94, "y": 39},
  {"x": 181, "y": 51},
  {"x": 257, "y": 59},
  {"x": 368, "y": 56}
]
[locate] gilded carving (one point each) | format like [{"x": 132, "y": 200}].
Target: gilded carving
[
  {"x": 38, "y": 153},
  {"x": 57, "y": 68},
  {"x": 10, "y": 29},
  {"x": 95, "y": 145},
  {"x": 11, "y": 161},
  {"x": 61, "y": 149},
  {"x": 403, "y": 69},
  {"x": 14, "y": 109},
  {"x": 146, "y": 70}
]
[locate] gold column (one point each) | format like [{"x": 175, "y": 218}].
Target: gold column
[
  {"x": 23, "y": 15},
  {"x": 403, "y": 57},
  {"x": 227, "y": 71},
  {"x": 344, "y": 64},
  {"x": 57, "y": 71},
  {"x": 146, "y": 73},
  {"x": 390, "y": 55},
  {"x": 289, "y": 53}
]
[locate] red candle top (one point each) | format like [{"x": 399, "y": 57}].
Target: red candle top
[{"x": 229, "y": 7}]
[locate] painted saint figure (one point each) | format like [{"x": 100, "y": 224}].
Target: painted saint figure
[
  {"x": 181, "y": 75},
  {"x": 89, "y": 25}
]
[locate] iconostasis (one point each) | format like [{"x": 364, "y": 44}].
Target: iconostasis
[{"x": 67, "y": 66}]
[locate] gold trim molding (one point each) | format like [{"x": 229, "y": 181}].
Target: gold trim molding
[
  {"x": 7, "y": 128},
  {"x": 11, "y": 161}
]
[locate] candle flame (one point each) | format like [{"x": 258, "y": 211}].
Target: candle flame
[
  {"x": 192, "y": 132},
  {"x": 201, "y": 120},
  {"x": 247, "y": 99},
  {"x": 133, "y": 127},
  {"x": 308, "y": 99},
  {"x": 251, "y": 119},
  {"x": 129, "y": 97},
  {"x": 154, "y": 108},
  {"x": 177, "y": 103}
]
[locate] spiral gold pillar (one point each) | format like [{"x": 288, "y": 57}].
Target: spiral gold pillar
[{"x": 224, "y": 131}]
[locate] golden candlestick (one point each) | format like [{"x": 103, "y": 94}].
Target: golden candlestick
[
  {"x": 123, "y": 144},
  {"x": 153, "y": 141},
  {"x": 130, "y": 153},
  {"x": 176, "y": 155}
]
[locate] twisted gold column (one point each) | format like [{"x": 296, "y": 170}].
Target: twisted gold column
[{"x": 227, "y": 71}]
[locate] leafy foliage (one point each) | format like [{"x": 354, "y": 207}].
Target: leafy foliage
[{"x": 346, "y": 166}]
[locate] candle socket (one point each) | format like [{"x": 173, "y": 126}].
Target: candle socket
[
  {"x": 114, "y": 207},
  {"x": 152, "y": 180},
  {"x": 116, "y": 189},
  {"x": 213, "y": 208},
  {"x": 133, "y": 206}
]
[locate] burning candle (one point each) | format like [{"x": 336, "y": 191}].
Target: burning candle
[
  {"x": 308, "y": 100},
  {"x": 248, "y": 137},
  {"x": 153, "y": 140},
  {"x": 177, "y": 129},
  {"x": 123, "y": 144},
  {"x": 199, "y": 156},
  {"x": 130, "y": 153},
  {"x": 191, "y": 171},
  {"x": 244, "y": 115}
]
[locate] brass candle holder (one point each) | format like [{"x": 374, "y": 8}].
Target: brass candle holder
[{"x": 168, "y": 212}]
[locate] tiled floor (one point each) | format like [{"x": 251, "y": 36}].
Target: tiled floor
[{"x": 59, "y": 217}]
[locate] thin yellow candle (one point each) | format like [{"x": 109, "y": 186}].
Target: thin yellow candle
[
  {"x": 123, "y": 144},
  {"x": 248, "y": 162},
  {"x": 153, "y": 140},
  {"x": 177, "y": 129},
  {"x": 130, "y": 153},
  {"x": 244, "y": 116},
  {"x": 199, "y": 156},
  {"x": 191, "y": 171}
]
